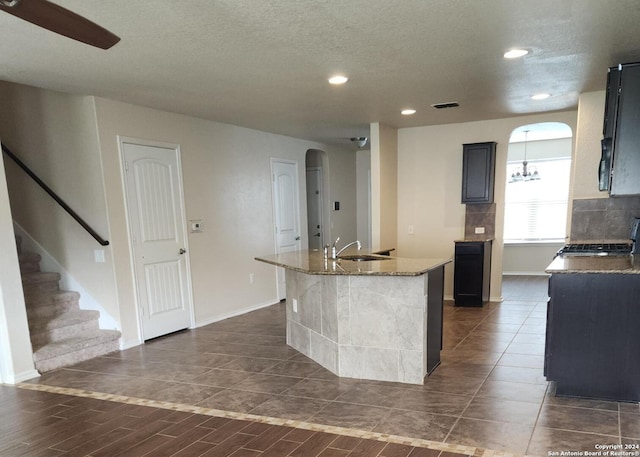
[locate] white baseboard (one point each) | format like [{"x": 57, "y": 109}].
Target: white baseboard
[
  {"x": 494, "y": 299},
  {"x": 524, "y": 273},
  {"x": 133, "y": 343},
  {"x": 129, "y": 344},
  {"x": 16, "y": 378},
  {"x": 67, "y": 281},
  {"x": 235, "y": 313}
]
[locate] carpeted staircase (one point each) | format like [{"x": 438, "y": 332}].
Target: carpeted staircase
[{"x": 62, "y": 334}]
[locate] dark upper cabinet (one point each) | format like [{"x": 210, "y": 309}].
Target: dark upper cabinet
[
  {"x": 611, "y": 103},
  {"x": 478, "y": 172},
  {"x": 622, "y": 129}
]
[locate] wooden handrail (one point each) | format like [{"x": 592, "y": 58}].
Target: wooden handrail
[{"x": 55, "y": 196}]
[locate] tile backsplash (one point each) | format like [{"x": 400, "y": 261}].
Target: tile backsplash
[
  {"x": 603, "y": 219},
  {"x": 480, "y": 215}
]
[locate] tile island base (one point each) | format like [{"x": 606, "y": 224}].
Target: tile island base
[{"x": 385, "y": 327}]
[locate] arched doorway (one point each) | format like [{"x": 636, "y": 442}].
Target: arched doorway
[
  {"x": 536, "y": 196},
  {"x": 315, "y": 164}
]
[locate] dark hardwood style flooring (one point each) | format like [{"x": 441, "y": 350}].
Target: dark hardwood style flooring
[
  {"x": 222, "y": 388},
  {"x": 48, "y": 424}
]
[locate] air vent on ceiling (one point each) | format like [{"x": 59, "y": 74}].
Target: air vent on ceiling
[{"x": 445, "y": 105}]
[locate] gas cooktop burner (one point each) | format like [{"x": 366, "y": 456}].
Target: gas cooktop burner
[{"x": 596, "y": 249}]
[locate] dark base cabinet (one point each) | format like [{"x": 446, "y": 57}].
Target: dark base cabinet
[
  {"x": 593, "y": 335},
  {"x": 435, "y": 297},
  {"x": 472, "y": 272}
]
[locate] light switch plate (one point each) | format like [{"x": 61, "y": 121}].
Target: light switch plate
[
  {"x": 98, "y": 256},
  {"x": 196, "y": 226}
]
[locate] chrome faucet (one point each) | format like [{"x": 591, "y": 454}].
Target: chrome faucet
[{"x": 334, "y": 254}]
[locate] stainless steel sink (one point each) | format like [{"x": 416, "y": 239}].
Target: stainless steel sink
[{"x": 363, "y": 257}]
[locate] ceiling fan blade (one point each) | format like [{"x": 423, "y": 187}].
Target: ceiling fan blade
[{"x": 60, "y": 20}]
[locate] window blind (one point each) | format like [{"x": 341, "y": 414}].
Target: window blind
[{"x": 537, "y": 210}]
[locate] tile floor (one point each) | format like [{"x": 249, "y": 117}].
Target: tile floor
[
  {"x": 489, "y": 392},
  {"x": 47, "y": 424}
]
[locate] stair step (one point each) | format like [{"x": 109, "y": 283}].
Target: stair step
[
  {"x": 40, "y": 281},
  {"x": 61, "y": 333},
  {"x": 50, "y": 311},
  {"x": 63, "y": 326},
  {"x": 64, "y": 320},
  {"x": 64, "y": 299},
  {"x": 29, "y": 262},
  {"x": 76, "y": 349}
]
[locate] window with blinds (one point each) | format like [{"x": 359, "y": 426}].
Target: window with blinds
[{"x": 536, "y": 210}]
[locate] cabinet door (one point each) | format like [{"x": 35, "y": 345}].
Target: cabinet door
[
  {"x": 611, "y": 103},
  {"x": 435, "y": 297},
  {"x": 626, "y": 143},
  {"x": 478, "y": 172},
  {"x": 468, "y": 274},
  {"x": 592, "y": 337}
]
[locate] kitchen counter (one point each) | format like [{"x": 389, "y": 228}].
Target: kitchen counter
[
  {"x": 313, "y": 263},
  {"x": 378, "y": 320},
  {"x": 611, "y": 264}
]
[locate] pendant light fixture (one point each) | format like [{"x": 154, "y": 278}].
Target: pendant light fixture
[{"x": 525, "y": 173}]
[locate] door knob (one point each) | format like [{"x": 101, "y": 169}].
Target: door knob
[
  {"x": 317, "y": 234},
  {"x": 182, "y": 251},
  {"x": 297, "y": 238}
]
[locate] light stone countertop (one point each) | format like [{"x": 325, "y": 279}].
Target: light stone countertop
[
  {"x": 313, "y": 263},
  {"x": 612, "y": 264}
]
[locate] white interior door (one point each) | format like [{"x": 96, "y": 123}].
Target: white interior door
[
  {"x": 286, "y": 212},
  {"x": 314, "y": 207},
  {"x": 156, "y": 222}
]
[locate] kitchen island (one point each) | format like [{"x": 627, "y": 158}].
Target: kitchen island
[
  {"x": 593, "y": 321},
  {"x": 377, "y": 319}
]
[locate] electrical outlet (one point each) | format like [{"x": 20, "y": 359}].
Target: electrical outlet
[
  {"x": 294, "y": 305},
  {"x": 410, "y": 230},
  {"x": 479, "y": 230},
  {"x": 251, "y": 278},
  {"x": 98, "y": 256}
]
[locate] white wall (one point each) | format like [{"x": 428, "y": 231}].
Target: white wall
[
  {"x": 527, "y": 258},
  {"x": 16, "y": 361},
  {"x": 429, "y": 183},
  {"x": 342, "y": 188},
  {"x": 363, "y": 192},
  {"x": 384, "y": 186},
  {"x": 541, "y": 149},
  {"x": 227, "y": 184}
]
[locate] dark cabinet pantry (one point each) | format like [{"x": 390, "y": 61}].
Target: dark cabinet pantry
[{"x": 478, "y": 172}]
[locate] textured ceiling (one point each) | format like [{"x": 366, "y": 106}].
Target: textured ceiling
[{"x": 264, "y": 64}]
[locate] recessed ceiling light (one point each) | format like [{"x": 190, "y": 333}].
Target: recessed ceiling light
[
  {"x": 338, "y": 79},
  {"x": 540, "y": 96},
  {"x": 515, "y": 53},
  {"x": 408, "y": 112}
]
